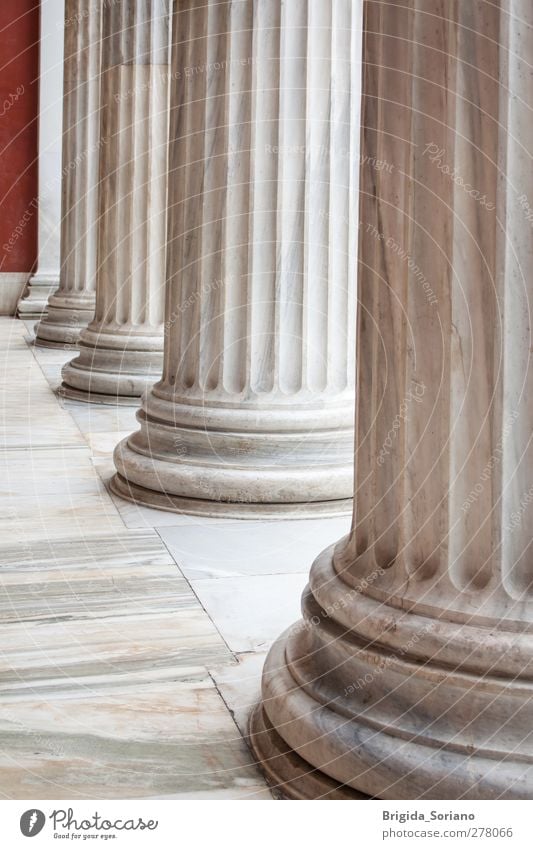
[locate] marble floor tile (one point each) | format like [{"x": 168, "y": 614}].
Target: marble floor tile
[
  {"x": 240, "y": 686},
  {"x": 12, "y": 329},
  {"x": 114, "y": 605},
  {"x": 103, "y": 443},
  {"x": 233, "y": 549},
  {"x": 124, "y": 641},
  {"x": 240, "y": 794},
  {"x": 105, "y": 469},
  {"x": 29, "y": 326},
  {"x": 12, "y": 354},
  {"x": 52, "y": 373},
  {"x": 132, "y": 550},
  {"x": 137, "y": 516},
  {"x": 21, "y": 433},
  {"x": 47, "y": 471},
  {"x": 50, "y": 516},
  {"x": 18, "y": 380},
  {"x": 119, "y": 672},
  {"x": 32, "y": 417},
  {"x": 53, "y": 356},
  {"x": 252, "y": 612},
  {"x": 170, "y": 737},
  {"x": 102, "y": 418}
]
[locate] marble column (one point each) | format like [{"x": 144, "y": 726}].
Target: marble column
[
  {"x": 71, "y": 307},
  {"x": 121, "y": 351},
  {"x": 46, "y": 277},
  {"x": 254, "y": 413},
  {"x": 410, "y": 676}
]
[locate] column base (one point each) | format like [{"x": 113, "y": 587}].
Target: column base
[
  {"x": 71, "y": 394},
  {"x": 225, "y": 509},
  {"x": 69, "y": 344},
  {"x": 286, "y": 773},
  {"x": 395, "y": 704},
  {"x": 34, "y": 304},
  {"x": 112, "y": 368},
  {"x": 66, "y": 317},
  {"x": 237, "y": 462}
]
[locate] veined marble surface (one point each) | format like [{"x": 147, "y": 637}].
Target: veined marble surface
[
  {"x": 131, "y": 639},
  {"x": 105, "y": 651}
]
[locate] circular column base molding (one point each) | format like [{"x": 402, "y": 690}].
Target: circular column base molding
[
  {"x": 225, "y": 509},
  {"x": 71, "y": 394},
  {"x": 394, "y": 703},
  {"x": 110, "y": 376},
  {"x": 288, "y": 775},
  {"x": 67, "y": 344},
  {"x": 61, "y": 327},
  {"x": 234, "y": 462}
]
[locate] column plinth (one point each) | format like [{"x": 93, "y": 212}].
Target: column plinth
[
  {"x": 71, "y": 307},
  {"x": 254, "y": 412},
  {"x": 34, "y": 301},
  {"x": 410, "y": 676},
  {"x": 219, "y": 461},
  {"x": 121, "y": 350}
]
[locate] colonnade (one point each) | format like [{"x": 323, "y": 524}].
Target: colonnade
[
  {"x": 209, "y": 238},
  {"x": 221, "y": 243}
]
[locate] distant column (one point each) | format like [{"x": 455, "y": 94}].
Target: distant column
[
  {"x": 46, "y": 278},
  {"x": 19, "y": 106},
  {"x": 71, "y": 307},
  {"x": 121, "y": 351}
]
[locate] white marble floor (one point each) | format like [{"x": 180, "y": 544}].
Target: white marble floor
[{"x": 132, "y": 640}]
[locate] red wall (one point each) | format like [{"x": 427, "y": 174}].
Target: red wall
[{"x": 19, "y": 84}]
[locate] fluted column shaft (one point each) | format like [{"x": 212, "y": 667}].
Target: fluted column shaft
[
  {"x": 71, "y": 307},
  {"x": 410, "y": 676},
  {"x": 121, "y": 350},
  {"x": 258, "y": 380}
]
